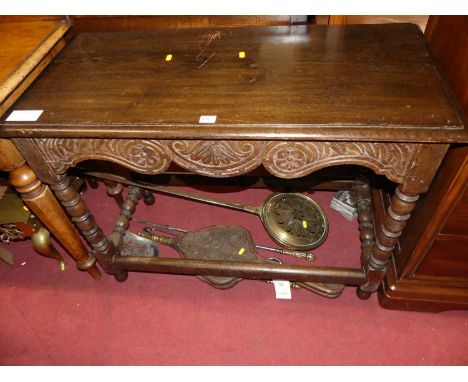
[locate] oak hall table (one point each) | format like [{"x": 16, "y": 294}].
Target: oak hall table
[{"x": 222, "y": 102}]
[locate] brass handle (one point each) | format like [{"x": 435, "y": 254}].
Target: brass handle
[
  {"x": 302, "y": 255},
  {"x": 156, "y": 238}
]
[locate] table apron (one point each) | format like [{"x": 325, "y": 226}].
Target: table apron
[{"x": 225, "y": 158}]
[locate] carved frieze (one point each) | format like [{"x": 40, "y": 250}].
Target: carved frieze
[
  {"x": 217, "y": 158},
  {"x": 225, "y": 158},
  {"x": 296, "y": 159},
  {"x": 145, "y": 156}
]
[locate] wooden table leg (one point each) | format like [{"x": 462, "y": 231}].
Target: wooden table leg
[
  {"x": 114, "y": 190},
  {"x": 397, "y": 216},
  {"x": 42, "y": 203},
  {"x": 148, "y": 197},
  {"x": 71, "y": 200}
]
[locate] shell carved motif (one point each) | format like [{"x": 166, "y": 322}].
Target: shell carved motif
[
  {"x": 217, "y": 158},
  {"x": 225, "y": 158}
]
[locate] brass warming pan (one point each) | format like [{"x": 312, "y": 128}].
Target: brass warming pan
[{"x": 293, "y": 220}]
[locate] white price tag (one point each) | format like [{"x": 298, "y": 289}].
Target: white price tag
[
  {"x": 282, "y": 289},
  {"x": 207, "y": 119},
  {"x": 24, "y": 116}
]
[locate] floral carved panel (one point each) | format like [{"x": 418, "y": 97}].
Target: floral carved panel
[
  {"x": 146, "y": 156},
  {"x": 225, "y": 158},
  {"x": 296, "y": 159}
]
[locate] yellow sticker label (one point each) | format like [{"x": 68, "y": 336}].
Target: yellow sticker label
[
  {"x": 241, "y": 251},
  {"x": 169, "y": 57},
  {"x": 241, "y": 54},
  {"x": 304, "y": 224},
  {"x": 25, "y": 208}
]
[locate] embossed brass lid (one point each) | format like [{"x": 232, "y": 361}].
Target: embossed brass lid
[{"x": 295, "y": 221}]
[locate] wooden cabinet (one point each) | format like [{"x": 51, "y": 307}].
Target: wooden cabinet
[{"x": 429, "y": 270}]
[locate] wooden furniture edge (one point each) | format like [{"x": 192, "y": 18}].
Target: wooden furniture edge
[
  {"x": 36, "y": 195},
  {"x": 414, "y": 293},
  {"x": 35, "y": 58}
]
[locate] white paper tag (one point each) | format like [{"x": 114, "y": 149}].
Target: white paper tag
[
  {"x": 282, "y": 289},
  {"x": 207, "y": 119},
  {"x": 24, "y": 115}
]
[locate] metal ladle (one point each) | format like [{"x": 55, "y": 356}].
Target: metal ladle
[{"x": 293, "y": 220}]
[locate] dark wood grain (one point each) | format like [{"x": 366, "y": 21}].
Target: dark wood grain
[
  {"x": 244, "y": 270},
  {"x": 448, "y": 257},
  {"x": 375, "y": 89},
  {"x": 27, "y": 45},
  {"x": 446, "y": 36},
  {"x": 429, "y": 268},
  {"x": 297, "y": 82},
  {"x": 458, "y": 222},
  {"x": 41, "y": 201},
  {"x": 423, "y": 293},
  {"x": 433, "y": 212}
]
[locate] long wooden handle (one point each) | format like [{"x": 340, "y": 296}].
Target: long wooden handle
[{"x": 173, "y": 191}]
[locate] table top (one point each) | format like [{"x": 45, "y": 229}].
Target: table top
[
  {"x": 23, "y": 44},
  {"x": 352, "y": 82}
]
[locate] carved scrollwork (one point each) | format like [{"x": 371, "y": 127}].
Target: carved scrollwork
[
  {"x": 225, "y": 158},
  {"x": 295, "y": 159},
  {"x": 217, "y": 158},
  {"x": 146, "y": 156}
]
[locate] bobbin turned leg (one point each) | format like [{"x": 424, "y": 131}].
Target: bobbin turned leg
[
  {"x": 362, "y": 198},
  {"x": 122, "y": 223},
  {"x": 42, "y": 203},
  {"x": 77, "y": 209},
  {"x": 148, "y": 197},
  {"x": 397, "y": 215},
  {"x": 79, "y": 184},
  {"x": 114, "y": 190},
  {"x": 93, "y": 183}
]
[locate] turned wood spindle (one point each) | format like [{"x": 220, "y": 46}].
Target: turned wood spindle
[
  {"x": 395, "y": 220},
  {"x": 114, "y": 190},
  {"x": 40, "y": 200},
  {"x": 361, "y": 195},
  {"x": 148, "y": 197},
  {"x": 121, "y": 225},
  {"x": 77, "y": 209}
]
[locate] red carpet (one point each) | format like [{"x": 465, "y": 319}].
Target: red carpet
[{"x": 53, "y": 318}]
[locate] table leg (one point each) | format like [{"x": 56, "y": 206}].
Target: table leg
[
  {"x": 397, "y": 216},
  {"x": 84, "y": 220},
  {"x": 114, "y": 190},
  {"x": 42, "y": 203},
  {"x": 148, "y": 197}
]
